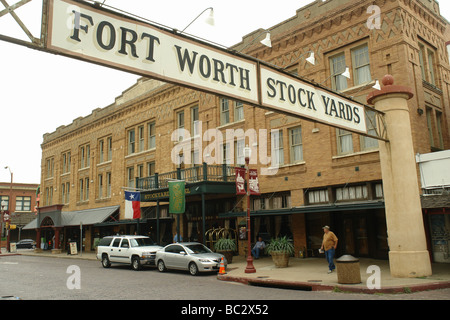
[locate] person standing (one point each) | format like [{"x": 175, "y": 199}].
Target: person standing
[{"x": 329, "y": 244}]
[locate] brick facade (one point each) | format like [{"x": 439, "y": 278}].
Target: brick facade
[{"x": 411, "y": 37}]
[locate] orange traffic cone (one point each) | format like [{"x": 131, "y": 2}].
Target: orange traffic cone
[{"x": 222, "y": 267}]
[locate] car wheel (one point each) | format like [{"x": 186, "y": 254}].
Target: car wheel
[
  {"x": 193, "y": 269},
  {"x": 136, "y": 263},
  {"x": 161, "y": 266},
  {"x": 105, "y": 261}
]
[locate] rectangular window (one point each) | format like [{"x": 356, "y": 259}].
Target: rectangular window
[
  {"x": 100, "y": 186},
  {"x": 422, "y": 60},
  {"x": 151, "y": 135},
  {"x": 277, "y": 148},
  {"x": 141, "y": 138},
  {"x": 339, "y": 82},
  {"x": 318, "y": 196},
  {"x": 131, "y": 141},
  {"x": 238, "y": 111},
  {"x": 432, "y": 78},
  {"x": 429, "y": 114},
  {"x": 151, "y": 168},
  {"x": 130, "y": 177},
  {"x": 371, "y": 123},
  {"x": 195, "y": 123},
  {"x": 295, "y": 145},
  {"x": 180, "y": 125},
  {"x": 439, "y": 129},
  {"x": 224, "y": 111},
  {"x": 101, "y": 151},
  {"x": 63, "y": 193},
  {"x": 351, "y": 193},
  {"x": 109, "y": 148},
  {"x": 50, "y": 167},
  {"x": 66, "y": 162},
  {"x": 108, "y": 184},
  {"x": 6, "y": 200},
  {"x": 23, "y": 203},
  {"x": 361, "y": 65},
  {"x": 86, "y": 187},
  {"x": 67, "y": 192},
  {"x": 344, "y": 141},
  {"x": 239, "y": 152}
]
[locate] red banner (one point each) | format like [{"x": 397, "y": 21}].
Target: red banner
[
  {"x": 240, "y": 181},
  {"x": 254, "y": 183}
]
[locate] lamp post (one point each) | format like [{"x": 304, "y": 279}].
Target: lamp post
[
  {"x": 2, "y": 216},
  {"x": 250, "y": 268},
  {"x": 10, "y": 201}
]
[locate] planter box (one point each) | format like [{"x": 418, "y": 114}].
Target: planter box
[{"x": 280, "y": 259}]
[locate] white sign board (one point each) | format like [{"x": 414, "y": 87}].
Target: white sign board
[
  {"x": 104, "y": 37},
  {"x": 82, "y": 31},
  {"x": 293, "y": 96}
]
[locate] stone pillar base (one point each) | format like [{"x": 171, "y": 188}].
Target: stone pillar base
[
  {"x": 410, "y": 264},
  {"x": 38, "y": 250},
  {"x": 56, "y": 251}
]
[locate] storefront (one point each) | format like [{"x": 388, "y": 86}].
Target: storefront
[
  {"x": 55, "y": 229},
  {"x": 436, "y": 210}
]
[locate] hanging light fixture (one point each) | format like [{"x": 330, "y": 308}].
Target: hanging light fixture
[
  {"x": 209, "y": 20},
  {"x": 377, "y": 85},
  {"x": 346, "y": 73},
  {"x": 267, "y": 42},
  {"x": 311, "y": 59}
]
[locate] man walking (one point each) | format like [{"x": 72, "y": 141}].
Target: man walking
[{"x": 329, "y": 244}]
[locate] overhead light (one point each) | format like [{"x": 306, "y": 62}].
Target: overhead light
[
  {"x": 346, "y": 73},
  {"x": 377, "y": 85},
  {"x": 209, "y": 20},
  {"x": 267, "y": 42},
  {"x": 311, "y": 59}
]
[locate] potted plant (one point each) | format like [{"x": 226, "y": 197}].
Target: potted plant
[
  {"x": 227, "y": 247},
  {"x": 280, "y": 249}
]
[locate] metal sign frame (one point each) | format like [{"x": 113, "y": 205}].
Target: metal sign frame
[{"x": 42, "y": 44}]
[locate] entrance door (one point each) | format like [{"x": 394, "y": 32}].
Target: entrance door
[{"x": 355, "y": 239}]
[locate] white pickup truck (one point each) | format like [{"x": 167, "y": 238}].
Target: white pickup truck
[{"x": 133, "y": 250}]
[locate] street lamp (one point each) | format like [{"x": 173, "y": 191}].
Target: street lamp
[
  {"x": 250, "y": 268},
  {"x": 10, "y": 201}
]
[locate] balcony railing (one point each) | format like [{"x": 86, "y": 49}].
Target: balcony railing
[{"x": 198, "y": 173}]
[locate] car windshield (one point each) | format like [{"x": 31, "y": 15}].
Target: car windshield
[
  {"x": 141, "y": 242},
  {"x": 197, "y": 249}
]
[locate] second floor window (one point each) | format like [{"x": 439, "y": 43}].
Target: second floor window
[
  {"x": 131, "y": 141},
  {"x": 361, "y": 65}
]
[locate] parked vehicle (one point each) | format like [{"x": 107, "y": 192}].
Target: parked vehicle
[
  {"x": 191, "y": 256},
  {"x": 133, "y": 250},
  {"x": 26, "y": 244}
]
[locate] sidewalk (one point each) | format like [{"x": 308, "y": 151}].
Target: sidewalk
[
  {"x": 311, "y": 275},
  {"x": 306, "y": 274}
]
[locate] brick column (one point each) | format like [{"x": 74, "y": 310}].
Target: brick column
[{"x": 408, "y": 255}]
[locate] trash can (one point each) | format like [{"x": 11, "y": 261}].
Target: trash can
[{"x": 348, "y": 270}]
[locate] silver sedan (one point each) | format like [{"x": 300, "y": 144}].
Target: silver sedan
[{"x": 191, "y": 256}]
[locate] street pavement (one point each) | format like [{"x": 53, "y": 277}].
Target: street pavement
[{"x": 311, "y": 275}]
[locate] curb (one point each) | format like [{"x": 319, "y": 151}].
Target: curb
[{"x": 308, "y": 286}]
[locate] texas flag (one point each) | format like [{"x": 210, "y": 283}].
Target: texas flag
[{"x": 132, "y": 205}]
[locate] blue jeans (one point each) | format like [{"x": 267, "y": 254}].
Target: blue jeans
[
  {"x": 329, "y": 255},
  {"x": 255, "y": 252}
]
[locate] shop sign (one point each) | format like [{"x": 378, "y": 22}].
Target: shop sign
[{"x": 85, "y": 32}]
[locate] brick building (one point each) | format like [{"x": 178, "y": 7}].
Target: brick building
[
  {"x": 20, "y": 199},
  {"x": 325, "y": 175}
]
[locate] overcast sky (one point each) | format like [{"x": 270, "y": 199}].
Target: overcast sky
[{"x": 40, "y": 92}]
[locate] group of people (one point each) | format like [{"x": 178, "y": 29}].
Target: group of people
[{"x": 329, "y": 245}]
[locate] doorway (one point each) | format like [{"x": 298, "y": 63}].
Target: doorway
[{"x": 355, "y": 235}]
